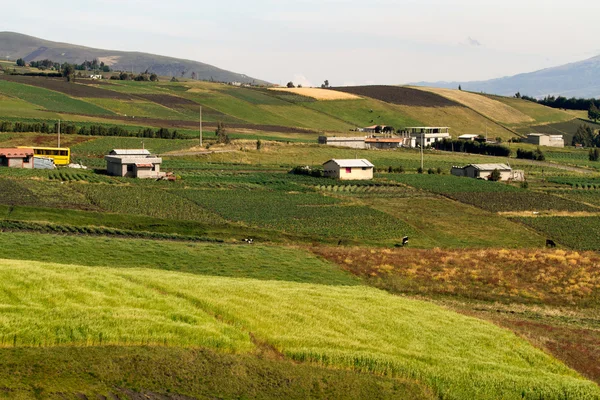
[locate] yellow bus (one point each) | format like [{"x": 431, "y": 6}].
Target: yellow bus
[{"x": 60, "y": 155}]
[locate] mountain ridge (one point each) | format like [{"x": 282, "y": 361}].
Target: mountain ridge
[
  {"x": 576, "y": 79},
  {"x": 14, "y": 45}
]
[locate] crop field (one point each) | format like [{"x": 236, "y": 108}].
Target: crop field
[
  {"x": 451, "y": 184},
  {"x": 50, "y": 100},
  {"x": 100, "y": 146},
  {"x": 72, "y": 89},
  {"x": 590, "y": 196},
  {"x": 153, "y": 202},
  {"x": 491, "y": 108},
  {"x": 577, "y": 158},
  {"x": 304, "y": 213},
  {"x": 14, "y": 107},
  {"x": 319, "y": 94},
  {"x": 576, "y": 232},
  {"x": 399, "y": 95},
  {"x": 138, "y": 108},
  {"x": 553, "y": 277},
  {"x": 521, "y": 201}
]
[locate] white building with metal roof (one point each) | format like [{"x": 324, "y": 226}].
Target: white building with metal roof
[
  {"x": 484, "y": 171},
  {"x": 349, "y": 169},
  {"x": 138, "y": 163}
]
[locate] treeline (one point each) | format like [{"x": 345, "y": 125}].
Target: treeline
[
  {"x": 143, "y": 77},
  {"x": 93, "y": 65},
  {"x": 536, "y": 154},
  {"x": 473, "y": 146},
  {"x": 572, "y": 103},
  {"x": 586, "y": 137},
  {"x": 90, "y": 130}
]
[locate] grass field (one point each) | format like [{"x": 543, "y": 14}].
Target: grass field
[
  {"x": 576, "y": 232},
  {"x": 336, "y": 328},
  {"x": 319, "y": 94},
  {"x": 537, "y": 112},
  {"x": 491, "y": 108}
]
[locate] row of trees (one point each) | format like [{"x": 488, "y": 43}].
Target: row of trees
[
  {"x": 145, "y": 77},
  {"x": 89, "y": 130},
  {"x": 475, "y": 147},
  {"x": 592, "y": 106},
  {"x": 93, "y": 65},
  {"x": 536, "y": 154},
  {"x": 586, "y": 137}
]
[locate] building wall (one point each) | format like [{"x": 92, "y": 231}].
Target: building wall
[
  {"x": 20, "y": 162},
  {"x": 353, "y": 142},
  {"x": 356, "y": 173}
]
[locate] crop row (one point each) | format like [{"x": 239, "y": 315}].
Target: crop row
[
  {"x": 580, "y": 233},
  {"x": 71, "y": 176},
  {"x": 450, "y": 183},
  {"x": 520, "y": 201}
]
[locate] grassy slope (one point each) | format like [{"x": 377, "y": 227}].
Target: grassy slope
[
  {"x": 353, "y": 327},
  {"x": 155, "y": 373},
  {"x": 241, "y": 261},
  {"x": 541, "y": 114}
]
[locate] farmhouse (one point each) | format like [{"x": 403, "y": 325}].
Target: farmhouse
[
  {"x": 542, "y": 139},
  {"x": 16, "y": 158},
  {"x": 133, "y": 163},
  {"x": 354, "y": 169},
  {"x": 484, "y": 171},
  {"x": 386, "y": 142},
  {"x": 426, "y": 135}
]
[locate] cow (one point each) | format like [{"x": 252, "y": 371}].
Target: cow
[{"x": 550, "y": 243}]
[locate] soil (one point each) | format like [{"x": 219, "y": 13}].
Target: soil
[
  {"x": 69, "y": 88},
  {"x": 400, "y": 95}
]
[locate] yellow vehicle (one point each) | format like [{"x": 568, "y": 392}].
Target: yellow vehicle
[{"x": 60, "y": 155}]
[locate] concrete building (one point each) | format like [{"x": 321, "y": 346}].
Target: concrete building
[
  {"x": 134, "y": 164},
  {"x": 16, "y": 158},
  {"x": 542, "y": 139},
  {"x": 353, "y": 142},
  {"x": 483, "y": 171},
  {"x": 355, "y": 169},
  {"x": 425, "y": 135}
]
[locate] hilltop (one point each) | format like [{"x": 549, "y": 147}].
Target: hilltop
[
  {"x": 579, "y": 79},
  {"x": 15, "y": 45}
]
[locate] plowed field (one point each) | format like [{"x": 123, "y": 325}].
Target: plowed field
[{"x": 400, "y": 95}]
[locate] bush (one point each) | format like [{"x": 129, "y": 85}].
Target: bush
[
  {"x": 594, "y": 154},
  {"x": 537, "y": 154},
  {"x": 419, "y": 170},
  {"x": 475, "y": 147},
  {"x": 431, "y": 171},
  {"x": 495, "y": 176}
]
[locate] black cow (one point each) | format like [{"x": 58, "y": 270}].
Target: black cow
[{"x": 550, "y": 243}]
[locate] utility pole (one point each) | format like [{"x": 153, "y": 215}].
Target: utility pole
[
  {"x": 58, "y": 133},
  {"x": 422, "y": 143},
  {"x": 200, "y": 126}
]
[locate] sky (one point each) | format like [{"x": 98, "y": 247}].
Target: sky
[{"x": 347, "y": 42}]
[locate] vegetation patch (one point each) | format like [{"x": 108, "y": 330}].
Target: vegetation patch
[
  {"x": 520, "y": 201},
  {"x": 580, "y": 233},
  {"x": 69, "y": 88},
  {"x": 399, "y": 95}
]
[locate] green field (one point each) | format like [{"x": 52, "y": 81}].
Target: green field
[
  {"x": 334, "y": 329},
  {"x": 576, "y": 232}
]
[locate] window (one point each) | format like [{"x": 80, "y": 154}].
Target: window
[
  {"x": 348, "y": 170},
  {"x": 130, "y": 168}
]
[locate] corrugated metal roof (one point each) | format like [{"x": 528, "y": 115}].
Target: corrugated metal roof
[
  {"x": 16, "y": 153},
  {"x": 129, "y": 152},
  {"x": 469, "y": 136},
  {"x": 491, "y": 167},
  {"x": 358, "y": 162},
  {"x": 143, "y": 165},
  {"x": 384, "y": 140}
]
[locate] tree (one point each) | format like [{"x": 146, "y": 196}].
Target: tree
[
  {"x": 459, "y": 87},
  {"x": 518, "y": 95},
  {"x": 20, "y": 62},
  {"x": 68, "y": 71},
  {"x": 593, "y": 112},
  {"x": 194, "y": 76},
  {"x": 594, "y": 154},
  {"x": 584, "y": 136},
  {"x": 258, "y": 145},
  {"x": 325, "y": 84},
  {"x": 495, "y": 176},
  {"x": 290, "y": 84},
  {"x": 299, "y": 85},
  {"x": 154, "y": 77},
  {"x": 221, "y": 134}
]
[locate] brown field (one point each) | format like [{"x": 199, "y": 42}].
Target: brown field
[
  {"x": 70, "y": 89},
  {"x": 555, "y": 277},
  {"x": 400, "y": 95},
  {"x": 491, "y": 108},
  {"x": 319, "y": 94}
]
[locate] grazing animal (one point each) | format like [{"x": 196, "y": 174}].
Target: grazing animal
[
  {"x": 249, "y": 241},
  {"x": 404, "y": 240},
  {"x": 550, "y": 243}
]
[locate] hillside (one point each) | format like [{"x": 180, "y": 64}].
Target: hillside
[
  {"x": 15, "y": 45},
  {"x": 579, "y": 79}
]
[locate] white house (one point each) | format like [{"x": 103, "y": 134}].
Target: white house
[
  {"x": 354, "y": 169},
  {"x": 133, "y": 163},
  {"x": 426, "y": 135},
  {"x": 484, "y": 171}
]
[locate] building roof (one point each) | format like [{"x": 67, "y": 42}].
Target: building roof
[
  {"x": 490, "y": 167},
  {"x": 16, "y": 153},
  {"x": 129, "y": 152},
  {"x": 358, "y": 162},
  {"x": 468, "y": 136},
  {"x": 139, "y": 165},
  {"x": 128, "y": 159},
  {"x": 384, "y": 140}
]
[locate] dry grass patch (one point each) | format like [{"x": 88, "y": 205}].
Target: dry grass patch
[
  {"x": 490, "y": 108},
  {"x": 555, "y": 277},
  {"x": 319, "y": 94}
]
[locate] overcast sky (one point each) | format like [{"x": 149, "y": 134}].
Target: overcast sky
[{"x": 344, "y": 41}]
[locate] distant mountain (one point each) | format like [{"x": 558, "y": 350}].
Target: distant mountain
[
  {"x": 16, "y": 45},
  {"x": 580, "y": 79}
]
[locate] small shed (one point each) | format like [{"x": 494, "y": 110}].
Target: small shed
[
  {"x": 468, "y": 136},
  {"x": 135, "y": 163},
  {"x": 16, "y": 157},
  {"x": 484, "y": 171},
  {"x": 353, "y": 169},
  {"x": 542, "y": 139}
]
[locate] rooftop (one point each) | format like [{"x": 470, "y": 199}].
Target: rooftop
[
  {"x": 358, "y": 162},
  {"x": 16, "y": 153},
  {"x": 129, "y": 152},
  {"x": 488, "y": 167}
]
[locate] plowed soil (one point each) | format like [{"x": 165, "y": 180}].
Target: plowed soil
[
  {"x": 73, "y": 89},
  {"x": 400, "y": 95}
]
